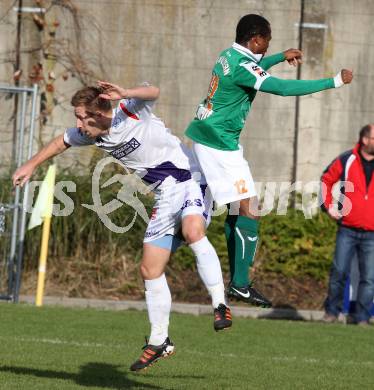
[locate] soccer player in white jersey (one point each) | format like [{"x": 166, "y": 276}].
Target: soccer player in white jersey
[{"x": 132, "y": 134}]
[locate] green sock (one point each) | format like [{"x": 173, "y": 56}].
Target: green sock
[
  {"x": 242, "y": 237},
  {"x": 230, "y": 239}
]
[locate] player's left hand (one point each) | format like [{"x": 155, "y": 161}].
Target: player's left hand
[
  {"x": 293, "y": 56},
  {"x": 111, "y": 91},
  {"x": 347, "y": 76}
]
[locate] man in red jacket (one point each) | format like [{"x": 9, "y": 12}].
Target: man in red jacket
[{"x": 355, "y": 216}]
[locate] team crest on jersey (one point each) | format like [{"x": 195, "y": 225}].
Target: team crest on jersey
[{"x": 125, "y": 149}]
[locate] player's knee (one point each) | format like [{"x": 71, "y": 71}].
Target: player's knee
[
  {"x": 193, "y": 228},
  {"x": 149, "y": 272},
  {"x": 193, "y": 234}
]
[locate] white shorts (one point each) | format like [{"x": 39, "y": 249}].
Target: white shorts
[
  {"x": 172, "y": 205},
  {"x": 226, "y": 172}
]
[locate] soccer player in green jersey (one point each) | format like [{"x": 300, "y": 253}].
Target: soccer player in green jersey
[{"x": 238, "y": 74}]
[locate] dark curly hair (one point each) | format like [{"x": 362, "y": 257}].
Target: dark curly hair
[{"x": 251, "y": 25}]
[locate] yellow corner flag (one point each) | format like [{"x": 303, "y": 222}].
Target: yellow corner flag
[
  {"x": 42, "y": 212},
  {"x": 44, "y": 202}
]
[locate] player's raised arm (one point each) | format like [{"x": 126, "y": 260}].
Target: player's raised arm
[
  {"x": 115, "y": 92},
  {"x": 25, "y": 171}
]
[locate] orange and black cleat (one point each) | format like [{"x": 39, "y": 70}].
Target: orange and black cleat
[
  {"x": 152, "y": 353},
  {"x": 222, "y": 317}
]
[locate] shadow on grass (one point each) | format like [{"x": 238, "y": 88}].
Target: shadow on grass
[
  {"x": 285, "y": 312},
  {"x": 102, "y": 375}
]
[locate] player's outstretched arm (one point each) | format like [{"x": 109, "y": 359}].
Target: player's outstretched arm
[
  {"x": 283, "y": 87},
  {"x": 115, "y": 92},
  {"x": 25, "y": 171}
]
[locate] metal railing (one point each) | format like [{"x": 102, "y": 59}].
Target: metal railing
[{"x": 20, "y": 198}]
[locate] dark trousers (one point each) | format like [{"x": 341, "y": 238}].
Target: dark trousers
[{"x": 350, "y": 242}]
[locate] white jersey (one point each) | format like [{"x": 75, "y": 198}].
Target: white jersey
[{"x": 142, "y": 143}]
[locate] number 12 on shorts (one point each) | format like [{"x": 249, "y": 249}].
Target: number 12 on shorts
[{"x": 240, "y": 186}]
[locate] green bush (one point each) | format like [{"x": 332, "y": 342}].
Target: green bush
[{"x": 295, "y": 246}]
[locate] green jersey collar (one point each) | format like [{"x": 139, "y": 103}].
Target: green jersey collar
[{"x": 248, "y": 53}]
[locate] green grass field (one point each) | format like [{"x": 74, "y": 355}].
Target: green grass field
[{"x": 61, "y": 348}]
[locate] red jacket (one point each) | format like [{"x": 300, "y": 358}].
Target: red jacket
[{"x": 348, "y": 167}]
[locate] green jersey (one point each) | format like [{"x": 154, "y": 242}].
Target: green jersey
[{"x": 237, "y": 76}]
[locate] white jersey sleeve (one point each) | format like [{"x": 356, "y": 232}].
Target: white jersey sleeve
[
  {"x": 137, "y": 108},
  {"x": 74, "y": 137}
]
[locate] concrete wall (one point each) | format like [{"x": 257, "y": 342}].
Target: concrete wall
[
  {"x": 174, "y": 44},
  {"x": 330, "y": 121}
]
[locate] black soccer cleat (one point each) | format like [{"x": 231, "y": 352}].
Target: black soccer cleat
[
  {"x": 222, "y": 317},
  {"x": 152, "y": 353},
  {"x": 249, "y": 295}
]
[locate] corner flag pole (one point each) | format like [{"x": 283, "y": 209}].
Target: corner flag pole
[
  {"x": 42, "y": 213},
  {"x": 43, "y": 261}
]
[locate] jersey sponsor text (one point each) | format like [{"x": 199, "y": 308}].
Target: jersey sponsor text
[{"x": 125, "y": 149}]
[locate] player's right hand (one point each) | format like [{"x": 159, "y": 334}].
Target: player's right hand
[
  {"x": 293, "y": 56},
  {"x": 347, "y": 76},
  {"x": 111, "y": 91},
  {"x": 22, "y": 174}
]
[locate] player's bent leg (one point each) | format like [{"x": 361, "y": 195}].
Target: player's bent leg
[
  {"x": 242, "y": 239},
  {"x": 209, "y": 268},
  {"x": 158, "y": 299}
]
